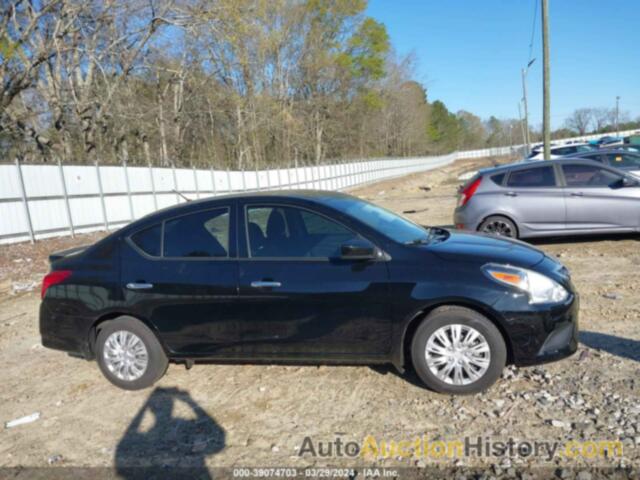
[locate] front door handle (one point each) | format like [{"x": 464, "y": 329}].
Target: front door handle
[
  {"x": 265, "y": 284},
  {"x": 511, "y": 194},
  {"x": 577, "y": 194},
  {"x": 139, "y": 286}
]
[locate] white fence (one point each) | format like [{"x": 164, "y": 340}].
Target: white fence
[{"x": 40, "y": 201}]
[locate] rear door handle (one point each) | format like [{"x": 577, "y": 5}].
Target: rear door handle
[
  {"x": 577, "y": 194},
  {"x": 139, "y": 286},
  {"x": 511, "y": 194},
  {"x": 265, "y": 284}
]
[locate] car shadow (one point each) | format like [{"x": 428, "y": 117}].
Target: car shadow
[
  {"x": 409, "y": 375},
  {"x": 582, "y": 239},
  {"x": 619, "y": 346},
  {"x": 171, "y": 435}
]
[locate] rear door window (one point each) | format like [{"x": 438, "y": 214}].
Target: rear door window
[
  {"x": 577, "y": 175},
  {"x": 532, "y": 177},
  {"x": 198, "y": 235}
]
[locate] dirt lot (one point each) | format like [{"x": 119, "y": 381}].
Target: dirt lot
[{"x": 249, "y": 415}]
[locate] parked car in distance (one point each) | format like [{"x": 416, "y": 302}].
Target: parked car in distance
[
  {"x": 630, "y": 147},
  {"x": 557, "y": 151},
  {"x": 309, "y": 277},
  {"x": 549, "y": 198},
  {"x": 623, "y": 159},
  {"x": 608, "y": 141}
]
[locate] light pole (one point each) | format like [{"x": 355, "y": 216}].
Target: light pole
[
  {"x": 524, "y": 135},
  {"x": 617, "y": 116},
  {"x": 546, "y": 93},
  {"x": 524, "y": 99}
]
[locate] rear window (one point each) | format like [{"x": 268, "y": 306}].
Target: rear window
[
  {"x": 584, "y": 148},
  {"x": 595, "y": 157},
  {"x": 532, "y": 177},
  {"x": 148, "y": 240},
  {"x": 624, "y": 160},
  {"x": 564, "y": 150}
]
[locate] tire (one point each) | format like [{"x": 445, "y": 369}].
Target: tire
[
  {"x": 500, "y": 226},
  {"x": 126, "y": 328},
  {"x": 442, "y": 320}
]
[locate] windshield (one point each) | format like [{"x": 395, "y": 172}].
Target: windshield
[{"x": 391, "y": 225}]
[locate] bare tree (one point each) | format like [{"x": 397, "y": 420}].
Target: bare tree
[{"x": 580, "y": 120}]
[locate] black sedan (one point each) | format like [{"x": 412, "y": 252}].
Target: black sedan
[{"x": 313, "y": 277}]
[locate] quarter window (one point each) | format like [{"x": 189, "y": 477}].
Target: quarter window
[
  {"x": 588, "y": 176},
  {"x": 532, "y": 177},
  {"x": 148, "y": 240},
  {"x": 498, "y": 179},
  {"x": 289, "y": 232},
  {"x": 203, "y": 234}
]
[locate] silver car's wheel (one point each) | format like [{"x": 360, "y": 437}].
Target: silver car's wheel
[
  {"x": 125, "y": 355},
  {"x": 500, "y": 226},
  {"x": 458, "y": 354}
]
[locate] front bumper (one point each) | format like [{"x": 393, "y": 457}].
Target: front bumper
[{"x": 543, "y": 334}]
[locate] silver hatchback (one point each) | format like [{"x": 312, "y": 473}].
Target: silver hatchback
[{"x": 553, "y": 197}]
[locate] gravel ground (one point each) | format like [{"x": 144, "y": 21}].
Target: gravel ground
[{"x": 259, "y": 416}]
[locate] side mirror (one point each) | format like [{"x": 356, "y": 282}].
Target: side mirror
[{"x": 358, "y": 249}]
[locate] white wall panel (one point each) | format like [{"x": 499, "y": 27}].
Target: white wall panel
[{"x": 86, "y": 206}]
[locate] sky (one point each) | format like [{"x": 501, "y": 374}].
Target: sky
[{"x": 470, "y": 53}]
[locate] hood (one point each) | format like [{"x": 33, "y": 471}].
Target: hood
[{"x": 481, "y": 248}]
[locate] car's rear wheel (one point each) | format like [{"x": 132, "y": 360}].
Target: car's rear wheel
[
  {"x": 499, "y": 225},
  {"x": 457, "y": 350},
  {"x": 129, "y": 354}
]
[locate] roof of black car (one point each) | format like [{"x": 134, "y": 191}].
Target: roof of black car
[{"x": 310, "y": 195}]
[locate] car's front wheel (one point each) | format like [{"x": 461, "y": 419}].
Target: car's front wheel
[
  {"x": 457, "y": 350},
  {"x": 129, "y": 354}
]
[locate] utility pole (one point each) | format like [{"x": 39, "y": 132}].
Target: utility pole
[
  {"x": 546, "y": 103},
  {"x": 617, "y": 116}
]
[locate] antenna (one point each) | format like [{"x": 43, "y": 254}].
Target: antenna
[{"x": 183, "y": 196}]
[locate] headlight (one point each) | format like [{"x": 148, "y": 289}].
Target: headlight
[{"x": 541, "y": 289}]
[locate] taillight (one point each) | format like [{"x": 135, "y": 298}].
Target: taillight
[
  {"x": 53, "y": 278},
  {"x": 468, "y": 191}
]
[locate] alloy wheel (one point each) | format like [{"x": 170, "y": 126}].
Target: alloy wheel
[
  {"x": 458, "y": 354},
  {"x": 125, "y": 355},
  {"x": 500, "y": 228}
]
